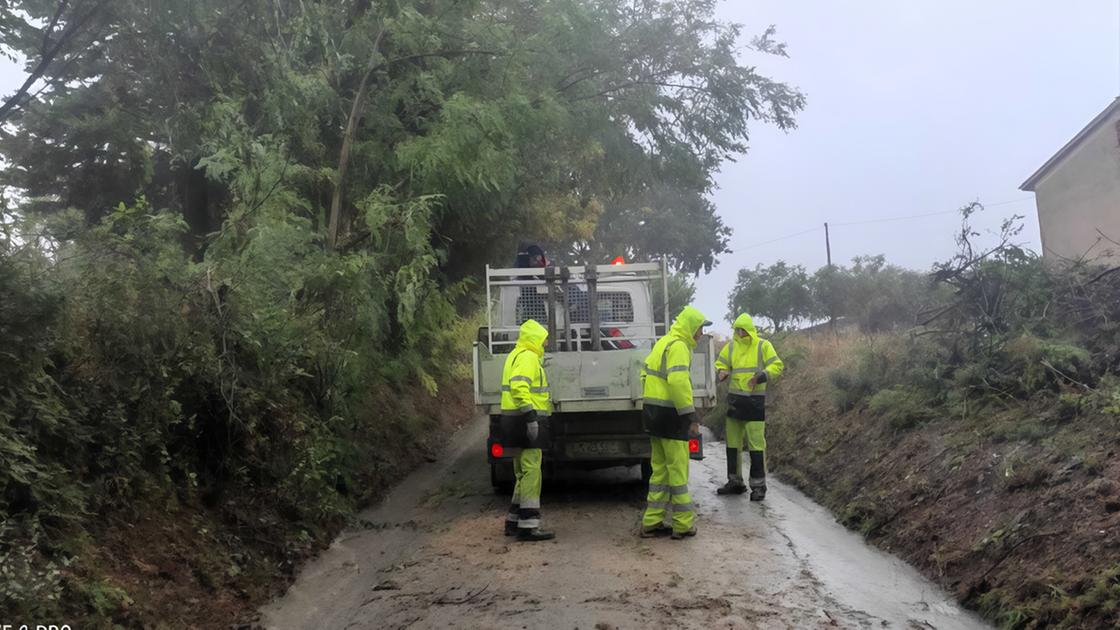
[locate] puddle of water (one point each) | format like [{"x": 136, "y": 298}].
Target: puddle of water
[{"x": 857, "y": 575}]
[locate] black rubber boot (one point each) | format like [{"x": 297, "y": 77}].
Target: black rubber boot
[
  {"x": 732, "y": 487},
  {"x": 534, "y": 535},
  {"x": 682, "y": 535},
  {"x": 511, "y": 528},
  {"x": 661, "y": 529},
  {"x": 758, "y": 475}
]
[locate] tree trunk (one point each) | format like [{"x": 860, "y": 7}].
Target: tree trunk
[{"x": 348, "y": 142}]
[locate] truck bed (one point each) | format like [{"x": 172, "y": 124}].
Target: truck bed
[{"x": 582, "y": 382}]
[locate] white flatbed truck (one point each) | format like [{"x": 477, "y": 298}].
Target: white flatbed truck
[{"x": 602, "y": 323}]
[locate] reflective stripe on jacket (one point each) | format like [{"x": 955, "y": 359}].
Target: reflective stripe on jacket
[{"x": 524, "y": 382}]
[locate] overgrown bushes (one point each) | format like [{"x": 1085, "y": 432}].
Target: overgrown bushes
[
  {"x": 141, "y": 376},
  {"x": 981, "y": 444},
  {"x": 1006, "y": 327}
]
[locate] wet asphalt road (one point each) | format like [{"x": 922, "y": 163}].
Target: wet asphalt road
[{"x": 432, "y": 555}]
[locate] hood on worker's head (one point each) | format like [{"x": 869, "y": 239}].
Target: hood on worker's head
[
  {"x": 532, "y": 336},
  {"x": 688, "y": 322},
  {"x": 744, "y": 322}
]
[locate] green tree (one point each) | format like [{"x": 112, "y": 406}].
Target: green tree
[
  {"x": 874, "y": 295},
  {"x": 527, "y": 120},
  {"x": 679, "y": 224},
  {"x": 682, "y": 290},
  {"x": 780, "y": 293}
]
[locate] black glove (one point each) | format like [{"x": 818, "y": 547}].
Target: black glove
[
  {"x": 693, "y": 418},
  {"x": 532, "y": 426}
]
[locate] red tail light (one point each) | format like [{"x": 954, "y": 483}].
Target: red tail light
[
  {"x": 624, "y": 345},
  {"x": 694, "y": 446},
  {"x": 496, "y": 450},
  {"x": 618, "y": 260}
]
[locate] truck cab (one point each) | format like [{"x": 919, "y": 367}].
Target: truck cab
[{"x": 602, "y": 323}]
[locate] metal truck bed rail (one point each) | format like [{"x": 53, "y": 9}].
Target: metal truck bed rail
[
  {"x": 606, "y": 381},
  {"x": 602, "y": 323},
  {"x": 569, "y": 292}
]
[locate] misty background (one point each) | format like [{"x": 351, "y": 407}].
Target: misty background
[{"x": 913, "y": 108}]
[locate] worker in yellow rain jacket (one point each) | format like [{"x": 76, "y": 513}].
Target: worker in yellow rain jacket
[
  {"x": 524, "y": 424},
  {"x": 671, "y": 419},
  {"x": 751, "y": 363}
]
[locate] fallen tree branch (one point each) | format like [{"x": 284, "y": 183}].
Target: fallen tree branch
[
  {"x": 1064, "y": 375},
  {"x": 1103, "y": 274},
  {"x": 1011, "y": 549}
]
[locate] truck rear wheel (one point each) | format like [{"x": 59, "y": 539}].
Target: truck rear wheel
[{"x": 501, "y": 477}]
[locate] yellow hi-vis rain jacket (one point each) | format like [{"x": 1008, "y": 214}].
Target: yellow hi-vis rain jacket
[
  {"x": 524, "y": 383},
  {"x": 666, "y": 382},
  {"x": 743, "y": 358}
]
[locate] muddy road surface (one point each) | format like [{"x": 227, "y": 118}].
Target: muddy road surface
[{"x": 432, "y": 555}]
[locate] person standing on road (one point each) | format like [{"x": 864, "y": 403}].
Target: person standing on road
[
  {"x": 751, "y": 362},
  {"x": 525, "y": 409},
  {"x": 671, "y": 419}
]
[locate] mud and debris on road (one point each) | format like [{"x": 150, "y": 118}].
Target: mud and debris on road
[{"x": 433, "y": 555}]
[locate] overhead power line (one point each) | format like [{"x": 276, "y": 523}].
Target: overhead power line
[
  {"x": 882, "y": 220},
  {"x": 885, "y": 220}
]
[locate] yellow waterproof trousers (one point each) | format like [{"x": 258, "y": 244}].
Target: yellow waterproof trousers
[
  {"x": 668, "y": 485},
  {"x": 525, "y": 508},
  {"x": 749, "y": 435}
]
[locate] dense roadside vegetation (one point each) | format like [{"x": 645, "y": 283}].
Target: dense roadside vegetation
[
  {"x": 978, "y": 436},
  {"x": 237, "y": 246}
]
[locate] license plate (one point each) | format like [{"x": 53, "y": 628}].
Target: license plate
[{"x": 603, "y": 448}]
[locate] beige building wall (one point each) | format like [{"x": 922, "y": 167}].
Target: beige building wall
[{"x": 1080, "y": 195}]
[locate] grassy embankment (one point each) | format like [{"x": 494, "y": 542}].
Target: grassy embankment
[
  {"x": 209, "y": 559},
  {"x": 1012, "y": 504}
]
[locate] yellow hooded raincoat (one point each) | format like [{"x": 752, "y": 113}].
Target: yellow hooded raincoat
[
  {"x": 667, "y": 384},
  {"x": 743, "y": 358},
  {"x": 524, "y": 383}
]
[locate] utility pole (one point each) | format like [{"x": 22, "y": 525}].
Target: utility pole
[
  {"x": 827, "y": 245},
  {"x": 828, "y": 254}
]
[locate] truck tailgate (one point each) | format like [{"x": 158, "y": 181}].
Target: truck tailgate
[{"x": 609, "y": 380}]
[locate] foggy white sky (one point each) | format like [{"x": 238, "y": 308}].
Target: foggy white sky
[{"x": 914, "y": 107}]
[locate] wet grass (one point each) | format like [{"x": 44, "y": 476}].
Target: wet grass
[
  {"x": 1006, "y": 502},
  {"x": 1042, "y": 604}
]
